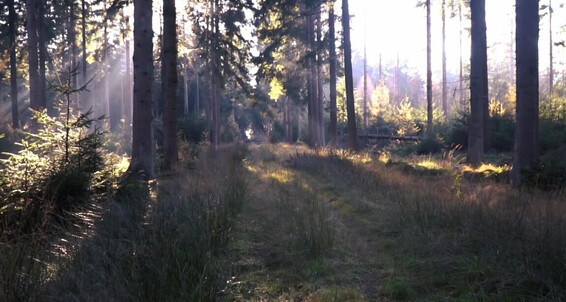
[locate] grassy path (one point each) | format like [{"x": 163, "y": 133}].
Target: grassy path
[
  {"x": 306, "y": 235},
  {"x": 327, "y": 226}
]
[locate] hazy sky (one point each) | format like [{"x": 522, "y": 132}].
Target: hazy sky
[{"x": 400, "y": 26}]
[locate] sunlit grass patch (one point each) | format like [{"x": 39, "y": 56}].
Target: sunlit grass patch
[
  {"x": 487, "y": 168},
  {"x": 281, "y": 176},
  {"x": 429, "y": 164},
  {"x": 487, "y": 171}
]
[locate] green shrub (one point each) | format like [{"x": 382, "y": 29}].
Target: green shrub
[
  {"x": 192, "y": 128},
  {"x": 56, "y": 168},
  {"x": 502, "y": 132},
  {"x": 431, "y": 144}
]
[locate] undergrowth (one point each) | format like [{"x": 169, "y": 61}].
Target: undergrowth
[
  {"x": 162, "y": 245},
  {"x": 457, "y": 239}
]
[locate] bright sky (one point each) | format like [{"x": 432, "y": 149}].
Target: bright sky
[{"x": 400, "y": 26}]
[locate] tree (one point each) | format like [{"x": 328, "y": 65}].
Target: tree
[
  {"x": 444, "y": 88},
  {"x": 332, "y": 63},
  {"x": 33, "y": 60},
  {"x": 170, "y": 83},
  {"x": 320, "y": 92},
  {"x": 526, "y": 152},
  {"x": 478, "y": 83},
  {"x": 142, "y": 126},
  {"x": 429, "y": 116},
  {"x": 82, "y": 97},
  {"x": 352, "y": 130},
  {"x": 13, "y": 32},
  {"x": 551, "y": 46},
  {"x": 312, "y": 84}
]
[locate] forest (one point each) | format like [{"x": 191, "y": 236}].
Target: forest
[{"x": 282, "y": 150}]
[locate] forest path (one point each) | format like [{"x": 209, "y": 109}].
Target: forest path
[{"x": 313, "y": 230}]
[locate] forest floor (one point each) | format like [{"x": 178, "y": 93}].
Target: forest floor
[
  {"x": 333, "y": 226},
  {"x": 287, "y": 223}
]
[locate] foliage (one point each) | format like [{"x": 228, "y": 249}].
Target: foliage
[
  {"x": 430, "y": 144},
  {"x": 192, "y": 128},
  {"x": 56, "y": 168}
]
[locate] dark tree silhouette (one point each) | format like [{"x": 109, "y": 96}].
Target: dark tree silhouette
[
  {"x": 332, "y": 60},
  {"x": 526, "y": 153},
  {"x": 142, "y": 127},
  {"x": 352, "y": 129},
  {"x": 478, "y": 83},
  {"x": 170, "y": 83}
]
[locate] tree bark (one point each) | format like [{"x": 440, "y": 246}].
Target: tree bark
[
  {"x": 526, "y": 153},
  {"x": 169, "y": 65},
  {"x": 428, "y": 70},
  {"x": 33, "y": 60},
  {"x": 461, "y": 103},
  {"x": 444, "y": 88},
  {"x": 217, "y": 75},
  {"x": 72, "y": 40},
  {"x": 83, "y": 96},
  {"x": 478, "y": 83},
  {"x": 352, "y": 129},
  {"x": 551, "y": 46},
  {"x": 332, "y": 63},
  {"x": 13, "y": 32},
  {"x": 142, "y": 128},
  {"x": 106, "y": 70},
  {"x": 127, "y": 106},
  {"x": 311, "y": 84},
  {"x": 42, "y": 44},
  {"x": 320, "y": 92},
  {"x": 366, "y": 112}
]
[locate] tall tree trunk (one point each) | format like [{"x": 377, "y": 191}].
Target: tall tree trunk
[
  {"x": 169, "y": 65},
  {"x": 72, "y": 40},
  {"x": 311, "y": 84},
  {"x": 352, "y": 130},
  {"x": 526, "y": 152},
  {"x": 33, "y": 60},
  {"x": 106, "y": 69},
  {"x": 478, "y": 83},
  {"x": 428, "y": 71},
  {"x": 320, "y": 92},
  {"x": 13, "y": 32},
  {"x": 444, "y": 88},
  {"x": 551, "y": 46},
  {"x": 365, "y": 94},
  {"x": 217, "y": 76},
  {"x": 461, "y": 100},
  {"x": 332, "y": 59},
  {"x": 186, "y": 90},
  {"x": 83, "y": 96},
  {"x": 127, "y": 105},
  {"x": 42, "y": 44},
  {"x": 142, "y": 128},
  {"x": 197, "y": 98}
]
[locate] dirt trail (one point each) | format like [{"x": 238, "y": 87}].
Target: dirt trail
[{"x": 269, "y": 260}]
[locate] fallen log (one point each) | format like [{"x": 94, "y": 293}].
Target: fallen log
[{"x": 390, "y": 137}]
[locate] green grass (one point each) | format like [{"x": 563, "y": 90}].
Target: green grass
[{"x": 161, "y": 242}]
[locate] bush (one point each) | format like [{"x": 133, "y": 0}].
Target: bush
[
  {"x": 502, "y": 132},
  {"x": 56, "y": 168},
  {"x": 192, "y": 128},
  {"x": 431, "y": 144}
]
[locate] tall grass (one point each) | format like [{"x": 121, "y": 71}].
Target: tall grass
[
  {"x": 187, "y": 229},
  {"x": 159, "y": 242},
  {"x": 307, "y": 217},
  {"x": 475, "y": 241}
]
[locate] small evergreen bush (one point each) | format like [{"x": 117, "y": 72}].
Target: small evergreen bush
[{"x": 57, "y": 166}]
